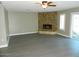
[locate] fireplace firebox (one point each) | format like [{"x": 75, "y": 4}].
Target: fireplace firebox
[{"x": 47, "y": 26}]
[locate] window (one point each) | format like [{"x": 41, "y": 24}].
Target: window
[{"x": 62, "y": 21}]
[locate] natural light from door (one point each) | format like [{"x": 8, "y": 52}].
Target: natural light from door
[
  {"x": 76, "y": 23},
  {"x": 75, "y": 26}
]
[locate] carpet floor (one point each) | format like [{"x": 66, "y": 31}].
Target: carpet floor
[{"x": 40, "y": 45}]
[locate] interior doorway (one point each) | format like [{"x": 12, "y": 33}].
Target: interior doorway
[{"x": 75, "y": 25}]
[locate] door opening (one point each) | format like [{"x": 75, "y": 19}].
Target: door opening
[{"x": 75, "y": 25}]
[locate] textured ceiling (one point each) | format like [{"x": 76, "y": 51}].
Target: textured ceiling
[{"x": 32, "y": 6}]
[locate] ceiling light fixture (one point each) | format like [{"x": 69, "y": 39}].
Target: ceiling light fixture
[{"x": 44, "y": 4}]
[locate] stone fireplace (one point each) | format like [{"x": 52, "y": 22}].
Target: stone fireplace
[{"x": 47, "y": 21}]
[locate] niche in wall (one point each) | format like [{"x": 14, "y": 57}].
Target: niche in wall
[{"x": 47, "y": 21}]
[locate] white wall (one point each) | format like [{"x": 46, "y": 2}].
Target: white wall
[
  {"x": 3, "y": 29},
  {"x": 20, "y": 22},
  {"x": 68, "y": 20}
]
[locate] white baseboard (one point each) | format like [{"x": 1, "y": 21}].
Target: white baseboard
[
  {"x": 46, "y": 32},
  {"x": 63, "y": 35},
  {"x": 22, "y": 33},
  {"x": 2, "y": 46}
]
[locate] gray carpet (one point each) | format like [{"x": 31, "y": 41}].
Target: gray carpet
[{"x": 39, "y": 45}]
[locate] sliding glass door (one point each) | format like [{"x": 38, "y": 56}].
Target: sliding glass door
[{"x": 75, "y": 26}]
